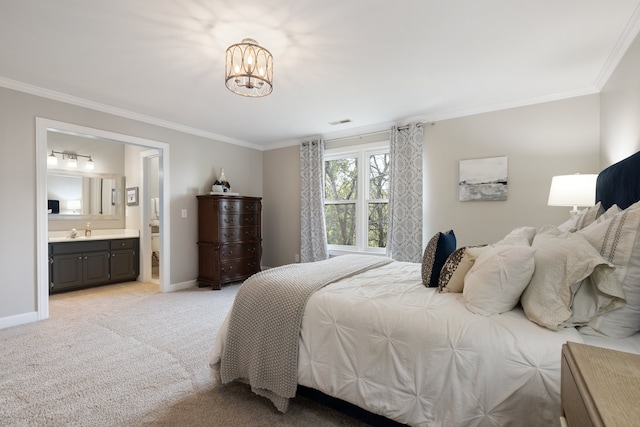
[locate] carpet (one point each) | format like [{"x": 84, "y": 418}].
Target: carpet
[{"x": 128, "y": 355}]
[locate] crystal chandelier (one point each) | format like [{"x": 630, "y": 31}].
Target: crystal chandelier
[{"x": 249, "y": 69}]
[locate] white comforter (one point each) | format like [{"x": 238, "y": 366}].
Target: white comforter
[{"x": 384, "y": 342}]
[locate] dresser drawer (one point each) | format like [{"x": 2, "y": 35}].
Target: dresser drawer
[
  {"x": 235, "y": 251},
  {"x": 239, "y": 207},
  {"x": 239, "y": 268},
  {"x": 238, "y": 234},
  {"x": 237, "y": 220}
]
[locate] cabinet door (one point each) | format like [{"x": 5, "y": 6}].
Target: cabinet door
[
  {"x": 123, "y": 265},
  {"x": 95, "y": 268},
  {"x": 66, "y": 272}
]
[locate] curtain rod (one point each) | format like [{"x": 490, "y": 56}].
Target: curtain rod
[
  {"x": 362, "y": 135},
  {"x": 405, "y": 127}
]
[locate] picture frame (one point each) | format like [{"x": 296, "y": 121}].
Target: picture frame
[
  {"x": 483, "y": 179},
  {"x": 132, "y": 196}
]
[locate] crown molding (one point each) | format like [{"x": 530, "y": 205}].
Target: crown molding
[
  {"x": 85, "y": 103},
  {"x": 627, "y": 37},
  {"x": 510, "y": 104}
]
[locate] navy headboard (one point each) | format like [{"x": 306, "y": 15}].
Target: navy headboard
[{"x": 620, "y": 183}]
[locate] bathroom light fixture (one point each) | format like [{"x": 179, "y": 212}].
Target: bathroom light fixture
[
  {"x": 52, "y": 160},
  {"x": 249, "y": 69},
  {"x": 71, "y": 158},
  {"x": 90, "y": 165},
  {"x": 573, "y": 190}
]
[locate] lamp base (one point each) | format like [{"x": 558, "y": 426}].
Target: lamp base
[{"x": 574, "y": 211}]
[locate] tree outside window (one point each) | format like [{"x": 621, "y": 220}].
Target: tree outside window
[{"x": 357, "y": 199}]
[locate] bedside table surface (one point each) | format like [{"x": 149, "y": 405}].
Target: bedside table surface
[{"x": 609, "y": 382}]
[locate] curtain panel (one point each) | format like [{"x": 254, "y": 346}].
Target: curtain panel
[
  {"x": 313, "y": 234},
  {"x": 404, "y": 239}
]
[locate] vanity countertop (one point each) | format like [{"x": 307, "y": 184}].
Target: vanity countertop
[{"x": 63, "y": 236}]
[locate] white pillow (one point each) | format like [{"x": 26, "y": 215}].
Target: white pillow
[
  {"x": 583, "y": 218},
  {"x": 562, "y": 262},
  {"x": 618, "y": 240},
  {"x": 498, "y": 277},
  {"x": 609, "y": 213},
  {"x": 518, "y": 236}
]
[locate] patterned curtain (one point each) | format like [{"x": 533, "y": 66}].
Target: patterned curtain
[
  {"x": 313, "y": 234},
  {"x": 404, "y": 238}
]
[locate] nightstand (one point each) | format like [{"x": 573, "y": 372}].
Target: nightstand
[{"x": 599, "y": 387}]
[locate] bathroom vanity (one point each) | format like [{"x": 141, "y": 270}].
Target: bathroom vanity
[{"x": 86, "y": 262}]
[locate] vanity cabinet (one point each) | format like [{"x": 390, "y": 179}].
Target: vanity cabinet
[
  {"x": 229, "y": 238},
  {"x": 125, "y": 262},
  {"x": 82, "y": 264}
]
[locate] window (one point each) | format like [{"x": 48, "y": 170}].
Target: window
[{"x": 357, "y": 198}]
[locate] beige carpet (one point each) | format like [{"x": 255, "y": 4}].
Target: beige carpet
[{"x": 127, "y": 355}]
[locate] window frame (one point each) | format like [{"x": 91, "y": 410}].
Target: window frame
[{"x": 361, "y": 152}]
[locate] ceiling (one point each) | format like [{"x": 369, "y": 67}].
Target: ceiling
[{"x": 373, "y": 62}]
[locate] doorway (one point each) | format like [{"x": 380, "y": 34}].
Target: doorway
[
  {"x": 150, "y": 230},
  {"x": 43, "y": 128}
]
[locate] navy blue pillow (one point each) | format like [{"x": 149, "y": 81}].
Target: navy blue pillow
[{"x": 435, "y": 255}]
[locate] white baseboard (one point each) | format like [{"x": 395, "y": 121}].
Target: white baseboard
[
  {"x": 182, "y": 285},
  {"x": 18, "y": 319}
]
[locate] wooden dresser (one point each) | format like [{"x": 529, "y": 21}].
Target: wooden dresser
[
  {"x": 599, "y": 387},
  {"x": 229, "y": 238}
]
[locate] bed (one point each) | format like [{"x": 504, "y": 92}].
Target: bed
[{"x": 469, "y": 337}]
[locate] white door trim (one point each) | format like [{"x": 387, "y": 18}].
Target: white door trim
[{"x": 43, "y": 126}]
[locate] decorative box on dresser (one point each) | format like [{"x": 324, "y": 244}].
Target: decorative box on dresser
[
  {"x": 599, "y": 387},
  {"x": 229, "y": 238}
]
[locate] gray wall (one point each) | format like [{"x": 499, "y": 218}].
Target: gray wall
[
  {"x": 195, "y": 161},
  {"x": 281, "y": 206},
  {"x": 541, "y": 141},
  {"x": 620, "y": 109}
]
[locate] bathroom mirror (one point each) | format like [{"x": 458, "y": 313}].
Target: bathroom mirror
[{"x": 84, "y": 196}]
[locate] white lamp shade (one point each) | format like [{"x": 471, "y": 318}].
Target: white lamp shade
[{"x": 573, "y": 190}]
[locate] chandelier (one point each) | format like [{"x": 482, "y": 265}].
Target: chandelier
[{"x": 249, "y": 69}]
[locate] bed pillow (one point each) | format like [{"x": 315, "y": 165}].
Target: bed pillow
[
  {"x": 609, "y": 213},
  {"x": 498, "y": 277},
  {"x": 582, "y": 218},
  {"x": 518, "y": 236},
  {"x": 618, "y": 240},
  {"x": 435, "y": 254},
  {"x": 456, "y": 267},
  {"x": 561, "y": 263}
]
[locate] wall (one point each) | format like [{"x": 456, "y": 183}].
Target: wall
[
  {"x": 541, "y": 141},
  {"x": 281, "y": 206},
  {"x": 620, "y": 109},
  {"x": 195, "y": 161}
]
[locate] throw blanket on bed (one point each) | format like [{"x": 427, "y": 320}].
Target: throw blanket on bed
[{"x": 264, "y": 323}]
